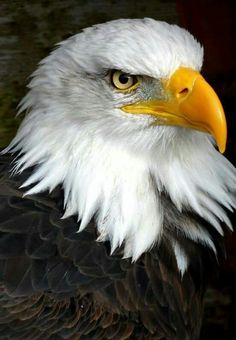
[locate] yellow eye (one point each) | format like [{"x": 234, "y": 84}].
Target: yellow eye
[{"x": 123, "y": 81}]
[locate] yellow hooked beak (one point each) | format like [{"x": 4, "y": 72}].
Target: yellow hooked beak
[{"x": 189, "y": 102}]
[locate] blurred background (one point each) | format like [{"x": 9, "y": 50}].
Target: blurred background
[{"x": 30, "y": 29}]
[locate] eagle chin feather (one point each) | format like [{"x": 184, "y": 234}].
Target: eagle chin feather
[{"x": 112, "y": 166}]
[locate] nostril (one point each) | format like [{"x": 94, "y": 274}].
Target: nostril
[{"x": 184, "y": 91}]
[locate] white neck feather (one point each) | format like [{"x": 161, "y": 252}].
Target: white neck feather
[{"x": 122, "y": 189}]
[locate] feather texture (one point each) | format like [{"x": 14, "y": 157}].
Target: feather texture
[
  {"x": 58, "y": 283},
  {"x": 106, "y": 217},
  {"x": 113, "y": 165}
]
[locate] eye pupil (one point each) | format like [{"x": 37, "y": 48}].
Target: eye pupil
[
  {"x": 123, "y": 81},
  {"x": 123, "y": 78}
]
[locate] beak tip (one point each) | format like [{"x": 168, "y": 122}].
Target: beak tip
[
  {"x": 221, "y": 149},
  {"x": 221, "y": 145}
]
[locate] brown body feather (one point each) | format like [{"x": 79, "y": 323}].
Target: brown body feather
[{"x": 59, "y": 284}]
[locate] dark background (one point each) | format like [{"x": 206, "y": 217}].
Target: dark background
[{"x": 29, "y": 30}]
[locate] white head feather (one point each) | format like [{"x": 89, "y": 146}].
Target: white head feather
[{"x": 115, "y": 165}]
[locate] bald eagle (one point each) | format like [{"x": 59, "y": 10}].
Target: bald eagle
[{"x": 114, "y": 195}]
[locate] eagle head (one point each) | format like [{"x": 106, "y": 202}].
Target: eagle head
[{"x": 120, "y": 117}]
